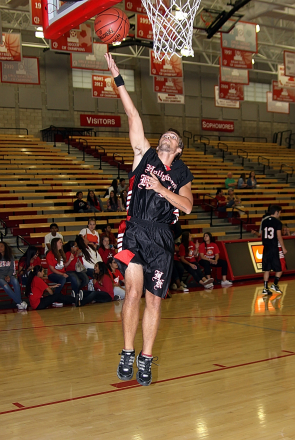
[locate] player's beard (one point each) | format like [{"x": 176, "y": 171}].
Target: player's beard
[{"x": 164, "y": 146}]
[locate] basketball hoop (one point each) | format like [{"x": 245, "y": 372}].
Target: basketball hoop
[{"x": 172, "y": 22}]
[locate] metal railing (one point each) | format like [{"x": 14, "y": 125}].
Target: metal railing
[
  {"x": 101, "y": 154},
  {"x": 83, "y": 140},
  {"x": 243, "y": 158},
  {"x": 265, "y": 158},
  {"x": 278, "y": 137},
  {"x": 187, "y": 135},
  {"x": 212, "y": 207},
  {"x": 18, "y": 238},
  {"x": 118, "y": 162},
  {"x": 221, "y": 149},
  {"x": 241, "y": 219},
  {"x": 14, "y": 128},
  {"x": 287, "y": 174}
]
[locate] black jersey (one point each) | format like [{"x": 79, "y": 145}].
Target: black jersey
[
  {"x": 147, "y": 204},
  {"x": 269, "y": 227}
]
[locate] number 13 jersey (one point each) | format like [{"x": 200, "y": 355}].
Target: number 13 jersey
[{"x": 269, "y": 228}]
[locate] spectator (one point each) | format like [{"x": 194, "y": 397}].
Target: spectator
[
  {"x": 230, "y": 182},
  {"x": 113, "y": 187},
  {"x": 122, "y": 185},
  {"x": 177, "y": 273},
  {"x": 188, "y": 251},
  {"x": 107, "y": 232},
  {"x": 90, "y": 256},
  {"x": 232, "y": 201},
  {"x": 117, "y": 277},
  {"x": 123, "y": 200},
  {"x": 6, "y": 276},
  {"x": 36, "y": 287},
  {"x": 57, "y": 264},
  {"x": 94, "y": 201},
  {"x": 91, "y": 233},
  {"x": 76, "y": 268},
  {"x": 242, "y": 182},
  {"x": 285, "y": 230},
  {"x": 49, "y": 237},
  {"x": 103, "y": 281},
  {"x": 81, "y": 206},
  {"x": 106, "y": 250},
  {"x": 252, "y": 182},
  {"x": 209, "y": 254},
  {"x": 26, "y": 263},
  {"x": 113, "y": 204},
  {"x": 221, "y": 200}
]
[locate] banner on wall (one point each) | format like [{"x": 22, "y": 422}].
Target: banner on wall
[
  {"x": 165, "y": 67},
  {"x": 236, "y": 76},
  {"x": 135, "y": 6},
  {"x": 276, "y": 106},
  {"x": 36, "y": 13},
  {"x": 25, "y": 72},
  {"x": 168, "y": 85},
  {"x": 242, "y": 37},
  {"x": 167, "y": 98},
  {"x": 11, "y": 47},
  {"x": 75, "y": 40},
  {"x": 289, "y": 63},
  {"x": 224, "y": 102},
  {"x": 236, "y": 59},
  {"x": 143, "y": 27},
  {"x": 103, "y": 86},
  {"x": 231, "y": 91},
  {"x": 95, "y": 61},
  {"x": 216, "y": 125},
  {"x": 288, "y": 82},
  {"x": 100, "y": 121},
  {"x": 282, "y": 94}
]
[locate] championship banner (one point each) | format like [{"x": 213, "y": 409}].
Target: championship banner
[
  {"x": 25, "y": 72},
  {"x": 95, "y": 61},
  {"x": 165, "y": 67},
  {"x": 242, "y": 37},
  {"x": 231, "y": 91},
  {"x": 100, "y": 121},
  {"x": 224, "y": 102},
  {"x": 236, "y": 59},
  {"x": 11, "y": 47},
  {"x": 236, "y": 76},
  {"x": 103, "y": 86},
  {"x": 36, "y": 13},
  {"x": 165, "y": 98},
  {"x": 143, "y": 27},
  {"x": 75, "y": 40},
  {"x": 216, "y": 125},
  {"x": 282, "y": 94},
  {"x": 288, "y": 82},
  {"x": 168, "y": 85},
  {"x": 289, "y": 62},
  {"x": 134, "y": 6},
  {"x": 276, "y": 106}
]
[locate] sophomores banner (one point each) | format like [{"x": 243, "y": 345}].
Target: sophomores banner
[{"x": 215, "y": 125}]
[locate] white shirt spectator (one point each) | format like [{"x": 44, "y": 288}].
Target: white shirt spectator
[
  {"x": 49, "y": 237},
  {"x": 95, "y": 257}
]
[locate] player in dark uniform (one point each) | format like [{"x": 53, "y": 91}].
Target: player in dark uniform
[
  {"x": 271, "y": 230},
  {"x": 159, "y": 185}
]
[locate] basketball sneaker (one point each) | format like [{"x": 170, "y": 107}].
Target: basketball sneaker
[
  {"x": 125, "y": 368},
  {"x": 182, "y": 283},
  {"x": 144, "y": 364},
  {"x": 182, "y": 289},
  {"x": 174, "y": 286},
  {"x": 22, "y": 306},
  {"x": 266, "y": 292},
  {"x": 275, "y": 288},
  {"x": 226, "y": 283},
  {"x": 57, "y": 304}
]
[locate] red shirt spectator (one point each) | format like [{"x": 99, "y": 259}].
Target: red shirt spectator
[
  {"x": 106, "y": 254},
  {"x": 72, "y": 266},
  {"x": 116, "y": 276},
  {"x": 105, "y": 285},
  {"x": 210, "y": 251},
  {"x": 37, "y": 288},
  {"x": 191, "y": 249},
  {"x": 52, "y": 261}
]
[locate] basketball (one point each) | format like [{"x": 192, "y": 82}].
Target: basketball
[{"x": 111, "y": 25}]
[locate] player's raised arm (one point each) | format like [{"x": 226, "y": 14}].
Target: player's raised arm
[{"x": 136, "y": 134}]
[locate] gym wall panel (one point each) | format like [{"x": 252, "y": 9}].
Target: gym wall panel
[
  {"x": 149, "y": 102},
  {"x": 83, "y": 101},
  {"x": 174, "y": 109},
  {"x": 106, "y": 105},
  {"x": 57, "y": 81},
  {"x": 209, "y": 110},
  {"x": 229, "y": 113},
  {"x": 30, "y": 97},
  {"x": 191, "y": 81},
  {"x": 264, "y": 115},
  {"x": 279, "y": 117},
  {"x": 249, "y": 111},
  {"x": 7, "y": 96},
  {"x": 192, "y": 107},
  {"x": 207, "y": 85}
]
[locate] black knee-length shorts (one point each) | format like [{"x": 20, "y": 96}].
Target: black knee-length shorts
[{"x": 271, "y": 260}]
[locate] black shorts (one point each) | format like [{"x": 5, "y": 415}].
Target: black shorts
[
  {"x": 151, "y": 245},
  {"x": 271, "y": 260}
]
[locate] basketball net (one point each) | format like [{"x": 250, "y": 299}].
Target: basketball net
[{"x": 172, "y": 23}]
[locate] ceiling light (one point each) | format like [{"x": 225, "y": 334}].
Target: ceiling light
[
  {"x": 257, "y": 28},
  {"x": 185, "y": 52},
  {"x": 39, "y": 34},
  {"x": 117, "y": 43}
]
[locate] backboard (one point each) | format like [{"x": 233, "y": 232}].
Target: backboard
[{"x": 207, "y": 17}]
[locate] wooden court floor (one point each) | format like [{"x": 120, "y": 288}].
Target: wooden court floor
[{"x": 226, "y": 371}]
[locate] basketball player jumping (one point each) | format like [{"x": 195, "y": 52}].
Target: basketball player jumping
[
  {"x": 271, "y": 230},
  {"x": 159, "y": 185}
]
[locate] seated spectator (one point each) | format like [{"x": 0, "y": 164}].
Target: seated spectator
[
  {"x": 81, "y": 206},
  {"x": 232, "y": 201},
  {"x": 113, "y": 204},
  {"x": 103, "y": 281},
  {"x": 117, "y": 277},
  {"x": 285, "y": 230},
  {"x": 107, "y": 232},
  {"x": 106, "y": 250},
  {"x": 113, "y": 187},
  {"x": 252, "y": 182},
  {"x": 177, "y": 273},
  {"x": 122, "y": 186},
  {"x": 36, "y": 289},
  {"x": 209, "y": 254},
  {"x": 230, "y": 182},
  {"x": 94, "y": 201},
  {"x": 123, "y": 200},
  {"x": 242, "y": 182},
  {"x": 75, "y": 268},
  {"x": 90, "y": 256},
  {"x": 49, "y": 237},
  {"x": 91, "y": 233},
  {"x": 26, "y": 263},
  {"x": 6, "y": 276},
  {"x": 57, "y": 264},
  {"x": 188, "y": 251},
  {"x": 221, "y": 200}
]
